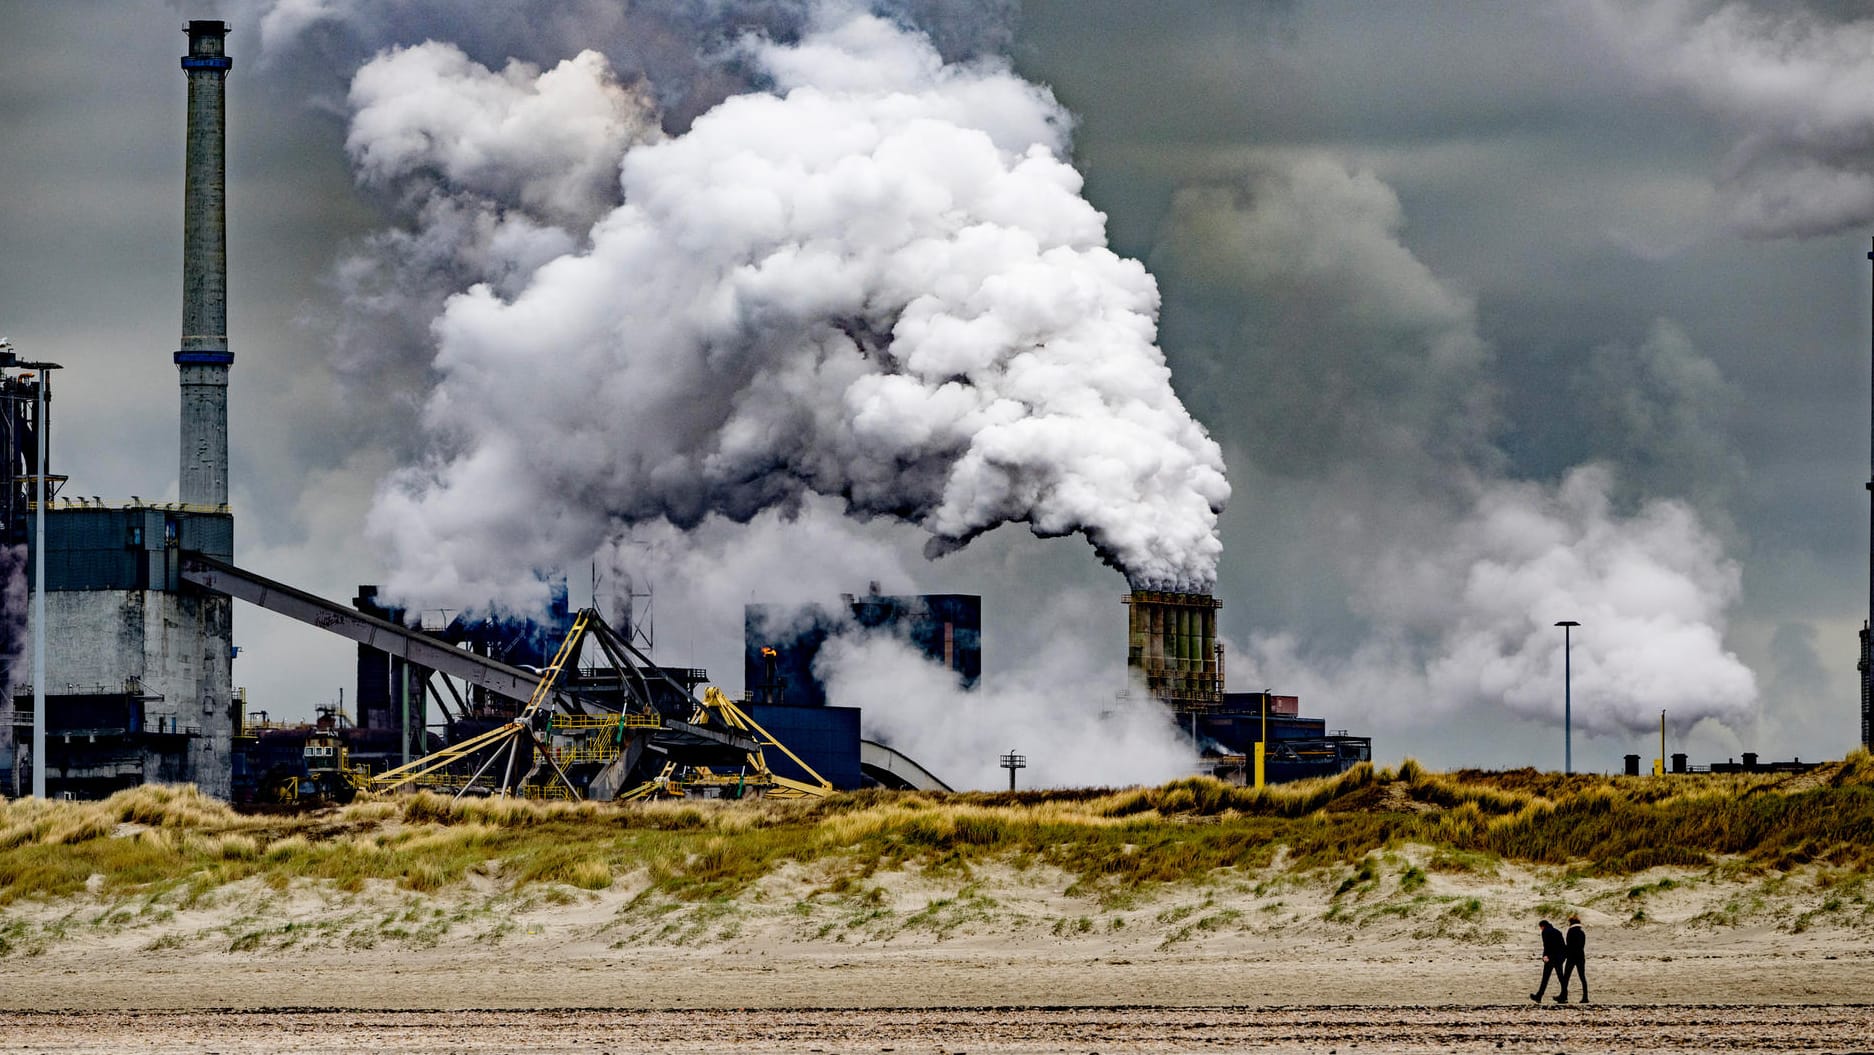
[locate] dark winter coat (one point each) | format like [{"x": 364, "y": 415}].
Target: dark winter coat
[
  {"x": 1553, "y": 949},
  {"x": 1577, "y": 943}
]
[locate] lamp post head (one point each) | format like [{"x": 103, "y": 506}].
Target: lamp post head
[{"x": 1568, "y": 622}]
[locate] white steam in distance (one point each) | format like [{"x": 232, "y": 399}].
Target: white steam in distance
[
  {"x": 1470, "y": 622},
  {"x": 1058, "y": 710},
  {"x": 876, "y": 286},
  {"x": 1795, "y": 85},
  {"x": 1457, "y": 572},
  {"x": 498, "y": 172},
  {"x": 877, "y": 282}
]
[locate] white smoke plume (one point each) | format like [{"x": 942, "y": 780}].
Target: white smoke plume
[
  {"x": 478, "y": 202},
  {"x": 1455, "y": 571},
  {"x": 875, "y": 281},
  {"x": 547, "y": 143},
  {"x": 1470, "y": 623},
  {"x": 1059, "y": 711},
  {"x": 691, "y": 585},
  {"x": 499, "y": 172},
  {"x": 1794, "y": 83}
]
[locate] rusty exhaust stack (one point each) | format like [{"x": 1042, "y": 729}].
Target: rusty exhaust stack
[{"x": 1172, "y": 647}]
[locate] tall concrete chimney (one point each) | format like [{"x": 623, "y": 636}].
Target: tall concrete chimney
[{"x": 204, "y": 358}]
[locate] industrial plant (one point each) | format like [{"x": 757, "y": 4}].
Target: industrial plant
[{"x": 130, "y": 680}]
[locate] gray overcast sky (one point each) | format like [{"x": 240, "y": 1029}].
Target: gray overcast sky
[{"x": 1419, "y": 261}]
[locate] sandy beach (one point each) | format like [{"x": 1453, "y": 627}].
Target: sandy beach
[
  {"x": 999, "y": 961},
  {"x": 1112, "y": 1031}
]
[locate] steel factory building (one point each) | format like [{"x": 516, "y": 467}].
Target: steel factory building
[{"x": 134, "y": 606}]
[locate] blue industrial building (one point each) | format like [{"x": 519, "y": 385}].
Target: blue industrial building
[
  {"x": 1298, "y": 746},
  {"x": 781, "y": 643}
]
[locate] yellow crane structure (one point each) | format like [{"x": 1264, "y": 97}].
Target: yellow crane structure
[
  {"x": 716, "y": 708},
  {"x": 714, "y": 721},
  {"x": 502, "y": 740}
]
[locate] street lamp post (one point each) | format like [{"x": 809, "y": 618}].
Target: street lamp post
[
  {"x": 39, "y": 591},
  {"x": 1262, "y": 742},
  {"x": 1568, "y": 677}
]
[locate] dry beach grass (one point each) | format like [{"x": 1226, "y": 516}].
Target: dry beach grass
[{"x": 1405, "y": 889}]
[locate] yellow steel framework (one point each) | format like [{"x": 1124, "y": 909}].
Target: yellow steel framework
[
  {"x": 508, "y": 734},
  {"x": 718, "y": 709},
  {"x": 600, "y": 738}
]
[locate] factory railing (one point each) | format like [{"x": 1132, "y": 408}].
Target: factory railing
[
  {"x": 134, "y": 503},
  {"x": 599, "y": 737}
]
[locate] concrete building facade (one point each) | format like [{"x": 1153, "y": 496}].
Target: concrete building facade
[{"x": 139, "y": 664}]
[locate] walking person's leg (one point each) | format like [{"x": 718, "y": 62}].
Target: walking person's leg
[
  {"x": 1581, "y": 972},
  {"x": 1547, "y": 970},
  {"x": 1561, "y": 994}
]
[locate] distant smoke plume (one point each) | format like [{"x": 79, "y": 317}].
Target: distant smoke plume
[
  {"x": 1377, "y": 427},
  {"x": 1347, "y": 350},
  {"x": 1470, "y": 622},
  {"x": 692, "y": 584},
  {"x": 1660, "y": 409},
  {"x": 875, "y": 281},
  {"x": 1059, "y": 710},
  {"x": 1795, "y": 83}
]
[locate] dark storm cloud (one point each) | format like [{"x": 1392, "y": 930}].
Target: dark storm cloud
[
  {"x": 1791, "y": 82},
  {"x": 1662, "y": 411},
  {"x": 1567, "y": 203},
  {"x": 680, "y": 47},
  {"x": 1576, "y": 215}
]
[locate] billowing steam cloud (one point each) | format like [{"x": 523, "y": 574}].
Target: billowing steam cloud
[
  {"x": 1059, "y": 711},
  {"x": 1794, "y": 82},
  {"x": 877, "y": 281},
  {"x": 463, "y": 220},
  {"x": 501, "y": 173},
  {"x": 1470, "y": 623},
  {"x": 1381, "y": 424},
  {"x": 846, "y": 269}
]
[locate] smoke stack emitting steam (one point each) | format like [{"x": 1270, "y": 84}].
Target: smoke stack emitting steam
[
  {"x": 877, "y": 281},
  {"x": 874, "y": 284}
]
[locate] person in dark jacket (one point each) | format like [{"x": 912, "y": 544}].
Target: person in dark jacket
[
  {"x": 1574, "y": 960},
  {"x": 1554, "y": 954}
]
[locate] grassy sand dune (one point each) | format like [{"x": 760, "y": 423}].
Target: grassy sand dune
[{"x": 1463, "y": 859}]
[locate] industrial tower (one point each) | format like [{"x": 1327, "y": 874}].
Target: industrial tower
[
  {"x": 203, "y": 359},
  {"x": 139, "y": 672}
]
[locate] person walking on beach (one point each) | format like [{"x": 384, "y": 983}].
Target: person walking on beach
[
  {"x": 1554, "y": 954},
  {"x": 1574, "y": 960}
]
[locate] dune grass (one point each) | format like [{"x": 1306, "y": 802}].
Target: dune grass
[{"x": 158, "y": 841}]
